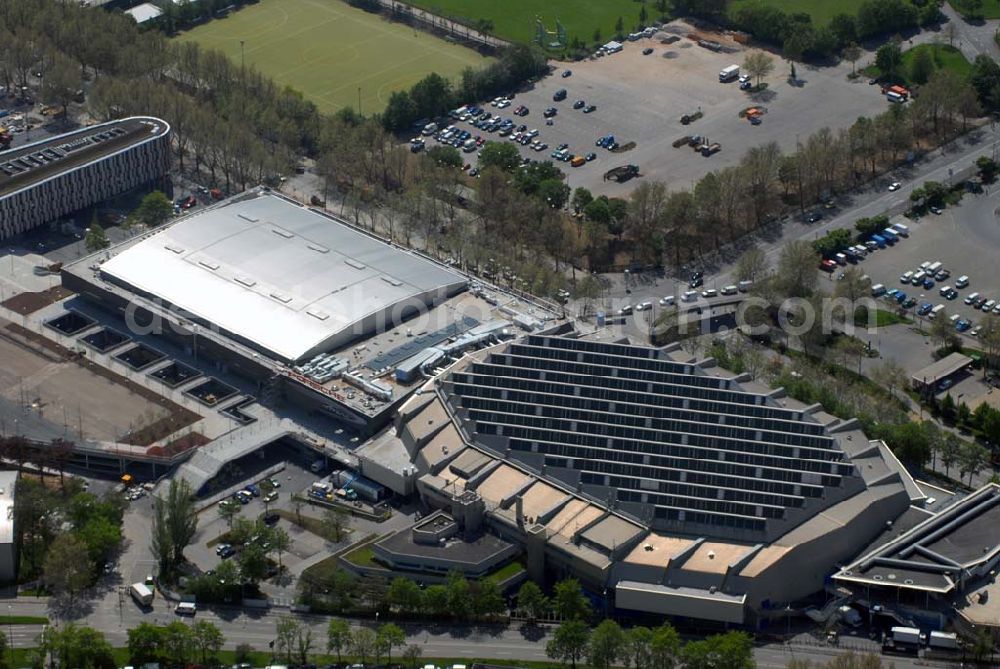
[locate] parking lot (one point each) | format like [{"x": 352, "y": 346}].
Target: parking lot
[
  {"x": 961, "y": 238},
  {"x": 640, "y": 98}
]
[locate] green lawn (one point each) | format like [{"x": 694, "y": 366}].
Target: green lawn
[
  {"x": 329, "y": 50},
  {"x": 991, "y": 8},
  {"x": 821, "y": 11},
  {"x": 515, "y": 20},
  {"x": 505, "y": 572},
  {"x": 942, "y": 55},
  {"x": 363, "y": 557}
]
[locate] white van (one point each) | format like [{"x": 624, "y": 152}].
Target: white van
[
  {"x": 962, "y": 282},
  {"x": 901, "y": 229},
  {"x": 935, "y": 311},
  {"x": 186, "y": 609},
  {"x": 971, "y": 297},
  {"x": 944, "y": 290},
  {"x": 918, "y": 278},
  {"x": 925, "y": 264},
  {"x": 878, "y": 289},
  {"x": 906, "y": 276},
  {"x": 429, "y": 129},
  {"x": 840, "y": 258},
  {"x": 689, "y": 296},
  {"x": 744, "y": 286},
  {"x": 730, "y": 290},
  {"x": 934, "y": 267}
]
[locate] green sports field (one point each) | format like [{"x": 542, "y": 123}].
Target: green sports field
[
  {"x": 515, "y": 20},
  {"x": 821, "y": 11},
  {"x": 327, "y": 50}
]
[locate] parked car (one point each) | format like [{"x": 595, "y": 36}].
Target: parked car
[
  {"x": 579, "y": 104},
  {"x": 647, "y": 51},
  {"x": 894, "y": 186},
  {"x": 589, "y": 108}
]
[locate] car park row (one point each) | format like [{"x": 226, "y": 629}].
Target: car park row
[{"x": 488, "y": 122}]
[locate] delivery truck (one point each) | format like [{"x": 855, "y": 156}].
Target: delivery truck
[{"x": 142, "y": 594}]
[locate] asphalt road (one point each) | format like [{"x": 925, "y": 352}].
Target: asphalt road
[
  {"x": 950, "y": 163},
  {"x": 258, "y": 628}
]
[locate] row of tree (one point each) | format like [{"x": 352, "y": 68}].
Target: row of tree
[{"x": 434, "y": 96}]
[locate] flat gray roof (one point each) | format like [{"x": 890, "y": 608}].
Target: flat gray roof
[
  {"x": 943, "y": 368},
  {"x": 280, "y": 277}
]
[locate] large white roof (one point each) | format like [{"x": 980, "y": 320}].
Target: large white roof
[{"x": 280, "y": 277}]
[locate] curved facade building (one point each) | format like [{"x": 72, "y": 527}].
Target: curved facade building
[{"x": 45, "y": 180}]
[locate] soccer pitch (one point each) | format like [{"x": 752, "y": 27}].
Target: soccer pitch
[{"x": 329, "y": 50}]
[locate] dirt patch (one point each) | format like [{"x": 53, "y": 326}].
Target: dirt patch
[
  {"x": 177, "y": 417},
  {"x": 29, "y": 303}
]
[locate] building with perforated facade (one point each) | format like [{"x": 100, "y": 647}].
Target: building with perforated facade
[{"x": 45, "y": 180}]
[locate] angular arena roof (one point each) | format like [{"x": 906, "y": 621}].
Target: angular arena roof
[
  {"x": 281, "y": 278},
  {"x": 662, "y": 440}
]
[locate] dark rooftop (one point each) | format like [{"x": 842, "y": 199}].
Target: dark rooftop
[
  {"x": 455, "y": 549},
  {"x": 940, "y": 551},
  {"x": 33, "y": 163}
]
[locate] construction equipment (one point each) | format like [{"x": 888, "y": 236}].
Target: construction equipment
[{"x": 622, "y": 173}]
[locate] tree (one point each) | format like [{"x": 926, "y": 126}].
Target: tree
[
  {"x": 922, "y": 66},
  {"x": 279, "y": 542},
  {"x": 252, "y": 560},
  {"x": 890, "y": 375},
  {"x": 972, "y": 458},
  {"x": 852, "y": 54},
  {"x": 362, "y": 643},
  {"x": 797, "y": 274},
  {"x": 664, "y": 647},
  {"x": 144, "y": 641},
  {"x": 436, "y": 600},
  {"x": 178, "y": 641},
  {"x": 888, "y": 58},
  {"x": 636, "y": 651},
  {"x": 175, "y": 520},
  {"x": 502, "y": 155},
  {"x": 208, "y": 639},
  {"x": 336, "y": 522},
  {"x": 553, "y": 192},
  {"x": 445, "y": 156},
  {"x": 488, "y": 599},
  {"x": 60, "y": 84},
  {"x": 400, "y": 112},
  {"x": 569, "y": 601},
  {"x": 155, "y": 209},
  {"x": 412, "y": 654},
  {"x": 459, "y": 599},
  {"x": 390, "y": 636},
  {"x": 569, "y": 642},
  {"x": 951, "y": 449},
  {"x": 606, "y": 644},
  {"x": 95, "y": 239},
  {"x": 758, "y": 64},
  {"x": 942, "y": 332},
  {"x": 228, "y": 510},
  {"x": 732, "y": 650},
  {"x": 76, "y": 646},
  {"x": 531, "y": 600},
  {"x": 581, "y": 198},
  {"x": 338, "y": 637},
  {"x": 751, "y": 265},
  {"x": 303, "y": 644},
  {"x": 285, "y": 635},
  {"x": 67, "y": 569},
  {"x": 405, "y": 595}
]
